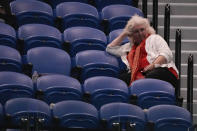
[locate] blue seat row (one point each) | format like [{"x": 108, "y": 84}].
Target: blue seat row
[
  {"x": 74, "y": 39},
  {"x": 69, "y": 14},
  {"x": 78, "y": 114},
  {"x": 97, "y": 90}
]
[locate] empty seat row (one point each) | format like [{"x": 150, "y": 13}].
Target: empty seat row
[
  {"x": 97, "y": 90},
  {"x": 69, "y": 14},
  {"x": 73, "y": 40},
  {"x": 78, "y": 114}
]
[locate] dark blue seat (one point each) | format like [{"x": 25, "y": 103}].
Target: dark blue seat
[
  {"x": 7, "y": 35},
  {"x": 123, "y": 116},
  {"x": 118, "y": 15},
  {"x": 76, "y": 114},
  {"x": 49, "y": 60},
  {"x": 95, "y": 63},
  {"x": 32, "y": 112},
  {"x": 77, "y": 14},
  {"x": 32, "y": 11},
  {"x": 1, "y": 115},
  {"x": 100, "y": 4},
  {"x": 37, "y": 35},
  {"x": 84, "y": 38},
  {"x": 10, "y": 59},
  {"x": 14, "y": 85},
  {"x": 150, "y": 92},
  {"x": 169, "y": 118},
  {"x": 103, "y": 89},
  {"x": 56, "y": 88},
  {"x": 54, "y": 3}
]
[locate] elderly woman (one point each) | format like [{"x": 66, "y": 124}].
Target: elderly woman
[{"x": 147, "y": 54}]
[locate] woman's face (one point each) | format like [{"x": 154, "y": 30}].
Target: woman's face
[{"x": 139, "y": 34}]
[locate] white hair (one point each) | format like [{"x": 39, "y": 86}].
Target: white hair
[{"x": 138, "y": 20}]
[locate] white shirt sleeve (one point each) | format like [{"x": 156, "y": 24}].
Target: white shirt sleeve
[{"x": 119, "y": 50}]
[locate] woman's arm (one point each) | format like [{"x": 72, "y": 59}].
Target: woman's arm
[{"x": 118, "y": 40}]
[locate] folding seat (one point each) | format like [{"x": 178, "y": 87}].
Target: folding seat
[
  {"x": 10, "y": 59},
  {"x": 91, "y": 63},
  {"x": 168, "y": 118},
  {"x": 27, "y": 113},
  {"x": 54, "y": 3},
  {"x": 100, "y": 90},
  {"x": 115, "y": 33},
  {"x": 37, "y": 35},
  {"x": 100, "y": 4},
  {"x": 14, "y": 85},
  {"x": 77, "y": 14},
  {"x": 7, "y": 35},
  {"x": 33, "y": 11},
  {"x": 75, "y": 114},
  {"x": 116, "y": 16},
  {"x": 55, "y": 88},
  {"x": 84, "y": 38},
  {"x": 122, "y": 116},
  {"x": 149, "y": 92},
  {"x": 49, "y": 60}
]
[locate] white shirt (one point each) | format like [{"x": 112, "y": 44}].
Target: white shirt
[{"x": 155, "y": 45}]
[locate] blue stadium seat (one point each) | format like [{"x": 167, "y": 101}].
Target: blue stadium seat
[
  {"x": 101, "y": 90},
  {"x": 169, "y": 118},
  {"x": 7, "y": 35},
  {"x": 56, "y": 88},
  {"x": 75, "y": 114},
  {"x": 49, "y": 60},
  {"x": 14, "y": 85},
  {"x": 115, "y": 33},
  {"x": 54, "y": 3},
  {"x": 10, "y": 59},
  {"x": 91, "y": 63},
  {"x": 32, "y": 11},
  {"x": 100, "y": 4},
  {"x": 116, "y": 16},
  {"x": 28, "y": 112},
  {"x": 150, "y": 92},
  {"x": 77, "y": 14},
  {"x": 122, "y": 116},
  {"x": 37, "y": 35},
  {"x": 84, "y": 38}
]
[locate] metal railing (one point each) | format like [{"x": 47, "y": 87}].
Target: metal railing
[
  {"x": 167, "y": 24},
  {"x": 155, "y": 15},
  {"x": 144, "y": 8}
]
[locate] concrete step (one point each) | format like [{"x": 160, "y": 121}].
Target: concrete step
[
  {"x": 176, "y": 8},
  {"x": 184, "y": 81},
  {"x": 184, "y": 69},
  {"x": 185, "y": 54},
  {"x": 177, "y": 20},
  {"x": 194, "y": 110},
  {"x": 184, "y": 94},
  {"x": 174, "y": 1},
  {"x": 190, "y": 45},
  {"x": 188, "y": 32}
]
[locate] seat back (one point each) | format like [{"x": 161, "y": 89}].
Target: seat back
[
  {"x": 100, "y": 4},
  {"x": 123, "y": 113},
  {"x": 104, "y": 89},
  {"x": 7, "y": 35},
  {"x": 32, "y": 11},
  {"x": 77, "y": 14},
  {"x": 115, "y": 33},
  {"x": 49, "y": 60},
  {"x": 31, "y": 111},
  {"x": 76, "y": 114},
  {"x": 54, "y": 3},
  {"x": 118, "y": 19},
  {"x": 10, "y": 59},
  {"x": 96, "y": 63},
  {"x": 84, "y": 38},
  {"x": 14, "y": 85},
  {"x": 152, "y": 92},
  {"x": 38, "y": 35},
  {"x": 169, "y": 117},
  {"x": 56, "y": 88}
]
